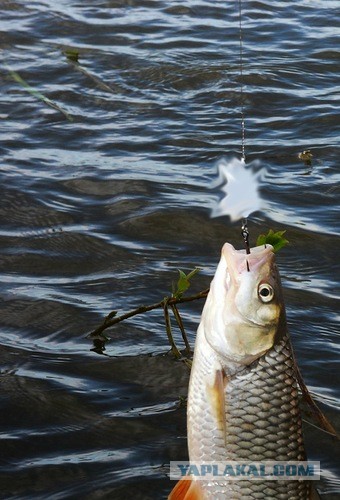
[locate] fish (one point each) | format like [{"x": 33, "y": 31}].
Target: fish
[{"x": 243, "y": 402}]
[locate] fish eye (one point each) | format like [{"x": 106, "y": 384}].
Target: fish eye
[{"x": 266, "y": 292}]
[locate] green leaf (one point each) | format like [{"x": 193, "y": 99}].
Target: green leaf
[
  {"x": 192, "y": 273},
  {"x": 277, "y": 240},
  {"x": 183, "y": 282}
]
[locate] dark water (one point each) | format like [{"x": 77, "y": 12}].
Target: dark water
[{"x": 101, "y": 203}]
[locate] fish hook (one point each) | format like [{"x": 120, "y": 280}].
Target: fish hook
[{"x": 245, "y": 235}]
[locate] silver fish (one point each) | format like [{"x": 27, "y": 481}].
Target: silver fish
[{"x": 243, "y": 397}]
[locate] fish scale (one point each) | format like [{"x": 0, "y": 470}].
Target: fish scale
[
  {"x": 279, "y": 417},
  {"x": 263, "y": 423}
]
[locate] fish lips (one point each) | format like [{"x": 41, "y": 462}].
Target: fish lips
[{"x": 238, "y": 261}]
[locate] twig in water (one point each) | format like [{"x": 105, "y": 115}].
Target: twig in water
[
  {"x": 181, "y": 327},
  {"x": 174, "y": 348},
  {"x": 35, "y": 93},
  {"x": 111, "y": 319},
  {"x": 316, "y": 412}
]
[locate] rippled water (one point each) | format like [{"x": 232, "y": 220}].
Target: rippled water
[{"x": 103, "y": 199}]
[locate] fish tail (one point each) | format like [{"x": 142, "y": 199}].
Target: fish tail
[{"x": 186, "y": 489}]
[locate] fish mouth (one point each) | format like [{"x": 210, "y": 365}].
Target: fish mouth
[{"x": 239, "y": 261}]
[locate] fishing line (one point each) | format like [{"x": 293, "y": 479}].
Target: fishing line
[
  {"x": 244, "y": 228},
  {"x": 243, "y": 127},
  {"x": 239, "y": 182}
]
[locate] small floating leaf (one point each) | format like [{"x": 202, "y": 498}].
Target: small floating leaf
[
  {"x": 277, "y": 240},
  {"x": 305, "y": 155},
  {"x": 71, "y": 54}
]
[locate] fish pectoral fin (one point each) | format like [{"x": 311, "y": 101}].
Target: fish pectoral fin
[
  {"x": 216, "y": 394},
  {"x": 186, "y": 489}
]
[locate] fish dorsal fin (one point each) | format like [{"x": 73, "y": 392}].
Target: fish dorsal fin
[
  {"x": 216, "y": 394},
  {"x": 187, "y": 489}
]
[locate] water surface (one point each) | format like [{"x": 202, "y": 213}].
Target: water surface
[{"x": 105, "y": 196}]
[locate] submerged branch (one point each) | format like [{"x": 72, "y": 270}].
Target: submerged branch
[
  {"x": 111, "y": 319},
  {"x": 174, "y": 348},
  {"x": 38, "y": 95},
  {"x": 316, "y": 412},
  {"x": 181, "y": 327},
  {"x": 171, "y": 302}
]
